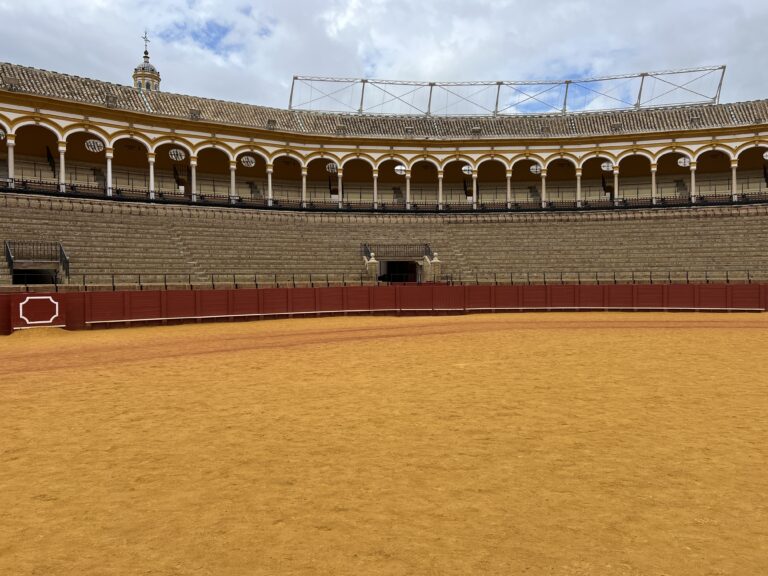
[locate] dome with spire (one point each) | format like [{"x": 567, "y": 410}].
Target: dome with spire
[{"x": 146, "y": 78}]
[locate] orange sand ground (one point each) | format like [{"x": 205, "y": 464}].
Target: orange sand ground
[{"x": 552, "y": 444}]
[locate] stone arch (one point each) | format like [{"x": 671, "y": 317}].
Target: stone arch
[
  {"x": 93, "y": 131},
  {"x": 424, "y": 182},
  {"x": 250, "y": 149},
  {"x": 526, "y": 186},
  {"x": 130, "y": 136},
  {"x": 28, "y": 121},
  {"x": 212, "y": 171},
  {"x": 324, "y": 154},
  {"x": 424, "y": 158},
  {"x": 727, "y": 150},
  {"x": 561, "y": 156},
  {"x": 458, "y": 158},
  {"x": 393, "y": 157},
  {"x": 635, "y": 152},
  {"x": 635, "y": 174},
  {"x": 178, "y": 142},
  {"x": 492, "y": 180},
  {"x": 596, "y": 153},
  {"x": 130, "y": 162},
  {"x": 493, "y": 158},
  {"x": 457, "y": 186},
  {"x": 214, "y": 145},
  {"x": 85, "y": 168},
  {"x": 358, "y": 180},
  {"x": 5, "y": 124},
  {"x": 36, "y": 150},
  {"x": 755, "y": 143},
  {"x": 681, "y": 150},
  {"x": 358, "y": 156},
  {"x": 526, "y": 157}
]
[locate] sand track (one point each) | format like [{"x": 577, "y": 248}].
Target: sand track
[{"x": 574, "y": 444}]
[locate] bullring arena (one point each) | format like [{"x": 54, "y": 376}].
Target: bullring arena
[{"x": 239, "y": 339}]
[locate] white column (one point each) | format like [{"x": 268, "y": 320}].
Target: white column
[
  {"x": 543, "y": 188},
  {"x": 109, "y": 172},
  {"x": 232, "y": 182},
  {"x": 11, "y": 162},
  {"x": 616, "y": 197},
  {"x": 270, "y": 197},
  {"x": 304, "y": 187},
  {"x": 734, "y": 180},
  {"x": 408, "y": 190},
  {"x": 193, "y": 178},
  {"x": 693, "y": 182},
  {"x": 474, "y": 190},
  {"x": 440, "y": 190},
  {"x": 341, "y": 189},
  {"x": 62, "y": 166},
  {"x": 151, "y": 176},
  {"x": 578, "y": 189},
  {"x": 654, "y": 189},
  {"x": 509, "y": 190},
  {"x": 375, "y": 189}
]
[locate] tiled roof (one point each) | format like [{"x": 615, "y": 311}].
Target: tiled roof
[{"x": 643, "y": 121}]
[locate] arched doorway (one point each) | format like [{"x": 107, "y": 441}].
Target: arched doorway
[
  {"x": 752, "y": 172},
  {"x": 525, "y": 190},
  {"x": 673, "y": 179},
  {"x": 458, "y": 185},
  {"x": 286, "y": 181},
  {"x": 392, "y": 185},
  {"x": 492, "y": 184},
  {"x": 561, "y": 183},
  {"x": 130, "y": 167},
  {"x": 86, "y": 162},
  {"x": 252, "y": 178},
  {"x": 36, "y": 155},
  {"x": 713, "y": 176},
  {"x": 424, "y": 184},
  {"x": 358, "y": 182},
  {"x": 635, "y": 186},
  {"x": 323, "y": 183},
  {"x": 172, "y": 175},
  {"x": 213, "y": 176}
]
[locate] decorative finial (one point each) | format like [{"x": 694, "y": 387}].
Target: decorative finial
[{"x": 146, "y": 41}]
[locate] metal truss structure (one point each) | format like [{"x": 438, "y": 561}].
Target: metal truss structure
[{"x": 405, "y": 98}]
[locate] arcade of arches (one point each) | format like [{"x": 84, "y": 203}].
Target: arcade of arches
[{"x": 34, "y": 154}]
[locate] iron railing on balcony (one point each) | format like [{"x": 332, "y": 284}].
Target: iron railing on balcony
[
  {"x": 35, "y": 251},
  {"x": 396, "y": 251}
]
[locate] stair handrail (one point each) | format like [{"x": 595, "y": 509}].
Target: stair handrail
[
  {"x": 9, "y": 256},
  {"x": 63, "y": 259}
]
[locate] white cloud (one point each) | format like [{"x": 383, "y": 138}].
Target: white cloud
[{"x": 248, "y": 51}]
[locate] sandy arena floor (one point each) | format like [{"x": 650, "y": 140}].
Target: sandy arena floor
[{"x": 555, "y": 444}]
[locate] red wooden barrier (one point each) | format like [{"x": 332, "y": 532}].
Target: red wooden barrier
[{"x": 77, "y": 310}]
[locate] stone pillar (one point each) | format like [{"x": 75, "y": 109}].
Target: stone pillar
[
  {"x": 11, "y": 162},
  {"x": 108, "y": 183},
  {"x": 474, "y": 190},
  {"x": 654, "y": 190},
  {"x": 408, "y": 190},
  {"x": 616, "y": 195},
  {"x": 193, "y": 177},
  {"x": 151, "y": 158},
  {"x": 232, "y": 182},
  {"x": 341, "y": 189},
  {"x": 270, "y": 197},
  {"x": 509, "y": 189},
  {"x": 372, "y": 266},
  {"x": 439, "y": 189},
  {"x": 734, "y": 179},
  {"x": 375, "y": 189},
  {"x": 304, "y": 187},
  {"x": 543, "y": 188},
  {"x": 578, "y": 188},
  {"x": 62, "y": 166},
  {"x": 693, "y": 182},
  {"x": 435, "y": 266}
]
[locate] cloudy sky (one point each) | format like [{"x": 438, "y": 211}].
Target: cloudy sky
[{"x": 249, "y": 50}]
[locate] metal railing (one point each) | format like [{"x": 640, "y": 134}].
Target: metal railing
[
  {"x": 555, "y": 203},
  {"x": 35, "y": 251},
  {"x": 396, "y": 251}
]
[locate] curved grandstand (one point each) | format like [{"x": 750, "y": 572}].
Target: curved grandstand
[{"x": 122, "y": 185}]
